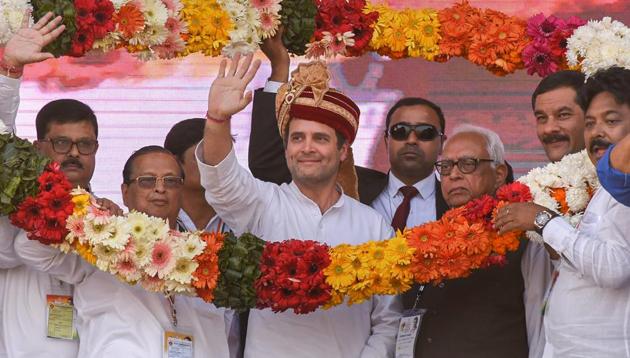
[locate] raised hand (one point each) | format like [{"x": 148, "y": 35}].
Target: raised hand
[
  {"x": 278, "y": 55},
  {"x": 227, "y": 94},
  {"x": 26, "y": 45}
]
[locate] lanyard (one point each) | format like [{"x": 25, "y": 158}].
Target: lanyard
[
  {"x": 418, "y": 296},
  {"x": 171, "y": 302}
]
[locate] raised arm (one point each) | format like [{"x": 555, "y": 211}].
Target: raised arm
[
  {"x": 23, "y": 47},
  {"x": 266, "y": 150},
  {"x": 227, "y": 97}
]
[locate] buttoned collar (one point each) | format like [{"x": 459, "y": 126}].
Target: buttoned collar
[{"x": 426, "y": 186}]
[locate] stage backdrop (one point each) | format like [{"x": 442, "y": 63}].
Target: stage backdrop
[{"x": 136, "y": 103}]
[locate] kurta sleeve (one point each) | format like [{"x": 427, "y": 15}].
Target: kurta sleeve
[
  {"x": 237, "y": 197},
  {"x": 8, "y": 257},
  {"x": 602, "y": 254},
  {"x": 536, "y": 269},
  {"x": 9, "y": 100},
  {"x": 69, "y": 268}
]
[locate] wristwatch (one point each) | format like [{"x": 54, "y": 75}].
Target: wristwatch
[{"x": 542, "y": 219}]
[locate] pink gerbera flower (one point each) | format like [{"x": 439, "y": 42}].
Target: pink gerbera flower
[
  {"x": 538, "y": 59},
  {"x": 541, "y": 26},
  {"x": 75, "y": 226},
  {"x": 262, "y": 4},
  {"x": 162, "y": 259}
]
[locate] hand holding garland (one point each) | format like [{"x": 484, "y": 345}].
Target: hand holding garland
[
  {"x": 278, "y": 55},
  {"x": 26, "y": 45}
]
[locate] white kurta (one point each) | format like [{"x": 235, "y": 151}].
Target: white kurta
[
  {"x": 589, "y": 307},
  {"x": 23, "y": 290},
  {"x": 277, "y": 213},
  {"x": 118, "y": 320}
]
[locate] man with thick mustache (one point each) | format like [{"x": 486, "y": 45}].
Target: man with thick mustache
[
  {"x": 559, "y": 117},
  {"x": 493, "y": 312},
  {"x": 23, "y": 291},
  {"x": 587, "y": 309}
]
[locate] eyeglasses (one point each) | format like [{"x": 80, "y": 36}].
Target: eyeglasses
[
  {"x": 465, "y": 165},
  {"x": 424, "y": 132},
  {"x": 63, "y": 145},
  {"x": 150, "y": 181}
]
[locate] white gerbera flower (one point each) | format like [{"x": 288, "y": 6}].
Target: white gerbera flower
[
  {"x": 184, "y": 268},
  {"x": 155, "y": 13}
]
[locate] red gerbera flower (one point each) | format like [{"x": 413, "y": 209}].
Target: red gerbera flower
[
  {"x": 516, "y": 192},
  {"x": 81, "y": 43}
]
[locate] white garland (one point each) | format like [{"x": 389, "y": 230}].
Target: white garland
[
  {"x": 599, "y": 45},
  {"x": 576, "y": 174},
  {"x": 244, "y": 37},
  {"x": 11, "y": 15}
]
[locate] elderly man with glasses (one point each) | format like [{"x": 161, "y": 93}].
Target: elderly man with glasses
[
  {"x": 118, "y": 320},
  {"x": 494, "y": 312}
]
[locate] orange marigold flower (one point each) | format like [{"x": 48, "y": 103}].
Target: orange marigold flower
[
  {"x": 560, "y": 194},
  {"x": 206, "y": 275},
  {"x": 129, "y": 20},
  {"x": 205, "y": 294},
  {"x": 451, "y": 47},
  {"x": 482, "y": 52}
]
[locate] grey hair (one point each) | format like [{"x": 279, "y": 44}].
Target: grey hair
[{"x": 494, "y": 145}]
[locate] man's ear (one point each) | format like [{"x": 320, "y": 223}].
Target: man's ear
[
  {"x": 442, "y": 140},
  {"x": 501, "y": 175},
  {"x": 124, "y": 189},
  {"x": 344, "y": 151}
]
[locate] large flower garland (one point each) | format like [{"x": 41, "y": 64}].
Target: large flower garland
[
  {"x": 164, "y": 29},
  {"x": 246, "y": 272},
  {"x": 565, "y": 186}
]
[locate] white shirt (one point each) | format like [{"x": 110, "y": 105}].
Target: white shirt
[
  {"x": 422, "y": 206},
  {"x": 231, "y": 318},
  {"x": 118, "y": 320},
  {"x": 588, "y": 314},
  {"x": 215, "y": 224},
  {"x": 276, "y": 213},
  {"x": 23, "y": 290}
]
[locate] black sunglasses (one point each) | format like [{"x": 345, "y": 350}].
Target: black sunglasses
[{"x": 424, "y": 132}]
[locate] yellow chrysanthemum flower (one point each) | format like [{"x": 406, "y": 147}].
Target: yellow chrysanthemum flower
[
  {"x": 398, "y": 251},
  {"x": 339, "y": 274},
  {"x": 81, "y": 203},
  {"x": 376, "y": 257},
  {"x": 84, "y": 251},
  {"x": 208, "y": 27}
]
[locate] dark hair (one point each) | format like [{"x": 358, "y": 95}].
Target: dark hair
[
  {"x": 615, "y": 80},
  {"x": 140, "y": 152},
  {"x": 184, "y": 135},
  {"x": 416, "y": 101},
  {"x": 63, "y": 111},
  {"x": 560, "y": 79}
]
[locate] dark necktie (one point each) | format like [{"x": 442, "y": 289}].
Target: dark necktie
[{"x": 402, "y": 213}]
